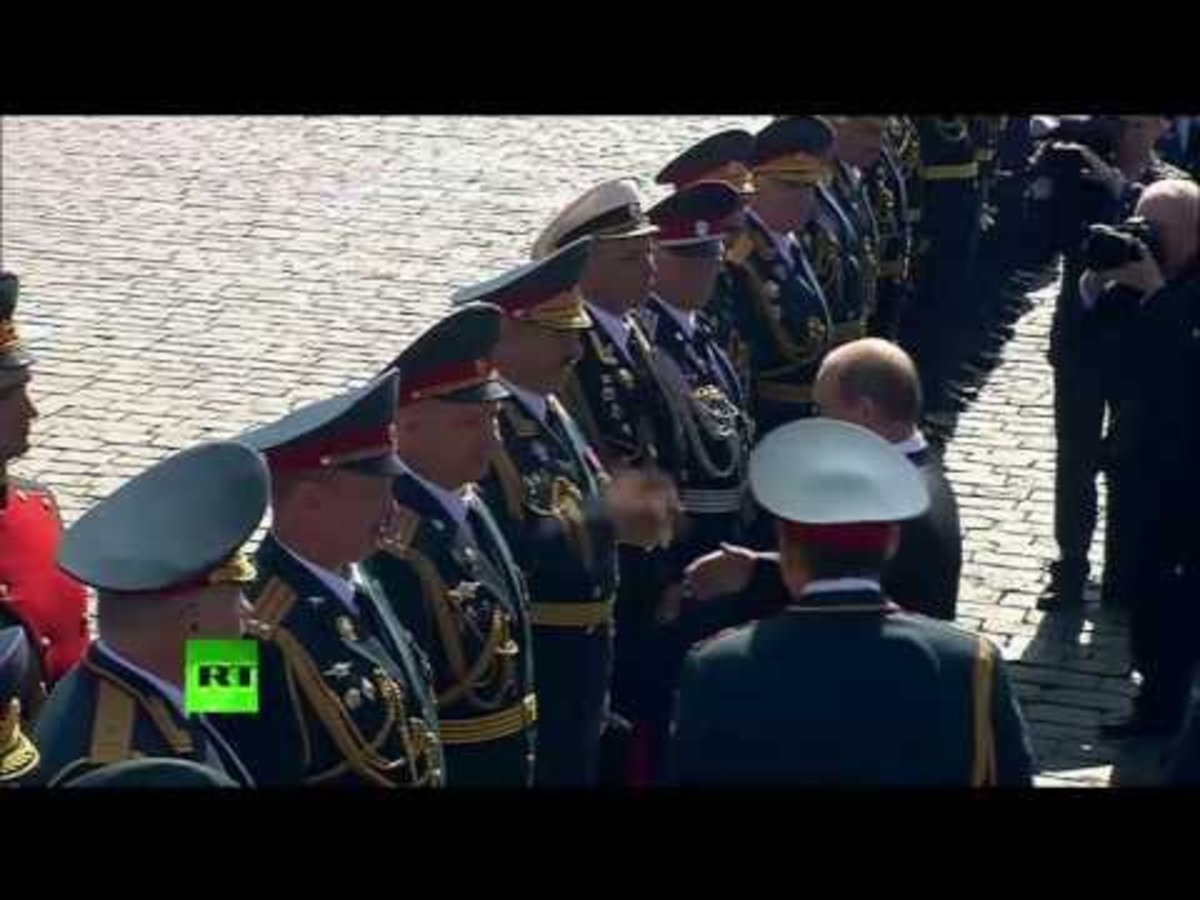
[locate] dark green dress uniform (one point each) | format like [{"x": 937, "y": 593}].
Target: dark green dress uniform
[
  {"x": 841, "y": 687},
  {"x": 107, "y": 711},
  {"x": 843, "y": 254},
  {"x": 451, "y": 580},
  {"x": 949, "y": 232},
  {"x": 176, "y": 528},
  {"x": 844, "y": 689},
  {"x": 19, "y": 691},
  {"x": 774, "y": 295},
  {"x": 887, "y": 193},
  {"x": 545, "y": 491},
  {"x": 614, "y": 392},
  {"x": 346, "y": 693},
  {"x": 724, "y": 157},
  {"x": 623, "y": 407}
]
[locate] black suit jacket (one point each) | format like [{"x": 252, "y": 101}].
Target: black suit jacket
[{"x": 923, "y": 576}]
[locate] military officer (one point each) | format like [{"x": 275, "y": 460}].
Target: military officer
[
  {"x": 723, "y": 157},
  {"x": 706, "y": 397},
  {"x": 773, "y": 293},
  {"x": 613, "y": 391},
  {"x": 841, "y": 687},
  {"x": 703, "y": 387},
  {"x": 841, "y": 241},
  {"x": 445, "y": 566},
  {"x": 871, "y": 185},
  {"x": 347, "y": 694},
  {"x": 19, "y": 679},
  {"x": 34, "y": 593},
  {"x": 949, "y": 231},
  {"x": 163, "y": 553},
  {"x": 560, "y": 513}
]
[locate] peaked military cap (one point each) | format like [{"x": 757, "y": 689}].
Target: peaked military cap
[
  {"x": 176, "y": 527},
  {"x": 18, "y": 680},
  {"x": 354, "y": 430},
  {"x": 13, "y": 354},
  {"x": 153, "y": 772},
  {"x": 724, "y": 156},
  {"x": 795, "y": 149},
  {"x": 452, "y": 360},
  {"x": 544, "y": 291},
  {"x": 698, "y": 214},
  {"x": 609, "y": 211},
  {"x": 826, "y": 472}
]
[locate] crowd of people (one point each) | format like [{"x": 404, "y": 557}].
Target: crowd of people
[{"x": 664, "y": 504}]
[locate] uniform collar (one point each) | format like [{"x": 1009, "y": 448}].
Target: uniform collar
[
  {"x": 781, "y": 241},
  {"x": 684, "y": 318},
  {"x": 535, "y": 403},
  {"x": 337, "y": 585},
  {"x": 914, "y": 443},
  {"x": 172, "y": 693},
  {"x": 616, "y": 327},
  {"x": 453, "y": 502},
  {"x": 842, "y": 586}
]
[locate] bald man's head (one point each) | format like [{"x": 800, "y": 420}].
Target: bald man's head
[
  {"x": 1174, "y": 206},
  {"x": 872, "y": 383}
]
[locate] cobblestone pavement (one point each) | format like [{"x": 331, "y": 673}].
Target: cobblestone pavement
[{"x": 185, "y": 278}]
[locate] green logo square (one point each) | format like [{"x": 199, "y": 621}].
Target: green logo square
[{"x": 221, "y": 677}]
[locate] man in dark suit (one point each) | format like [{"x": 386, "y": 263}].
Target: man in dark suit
[
  {"x": 445, "y": 567},
  {"x": 163, "y": 553},
  {"x": 842, "y": 687},
  {"x": 874, "y": 384}
]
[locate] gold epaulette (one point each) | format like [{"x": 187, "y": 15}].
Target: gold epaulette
[
  {"x": 274, "y": 602},
  {"x": 523, "y": 425}
]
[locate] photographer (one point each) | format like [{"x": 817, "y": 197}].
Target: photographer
[
  {"x": 1088, "y": 170},
  {"x": 1154, "y": 294}
]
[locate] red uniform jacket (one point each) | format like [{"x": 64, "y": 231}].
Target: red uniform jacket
[{"x": 33, "y": 590}]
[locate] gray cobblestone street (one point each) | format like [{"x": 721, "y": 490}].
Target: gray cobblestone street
[{"x": 185, "y": 278}]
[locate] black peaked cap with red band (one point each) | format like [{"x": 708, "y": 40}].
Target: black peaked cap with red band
[
  {"x": 452, "y": 360},
  {"x": 701, "y": 212},
  {"x": 355, "y": 431}
]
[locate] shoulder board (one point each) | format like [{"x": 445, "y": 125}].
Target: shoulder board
[
  {"x": 522, "y": 424},
  {"x": 274, "y": 602},
  {"x": 741, "y": 250},
  {"x": 403, "y": 529}
]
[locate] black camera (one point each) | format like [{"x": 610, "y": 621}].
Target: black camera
[{"x": 1112, "y": 246}]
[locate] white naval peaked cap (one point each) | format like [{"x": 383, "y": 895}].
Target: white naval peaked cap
[
  {"x": 611, "y": 210},
  {"x": 826, "y": 472}
]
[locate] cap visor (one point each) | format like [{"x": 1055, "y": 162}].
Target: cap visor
[
  {"x": 640, "y": 231},
  {"x": 384, "y": 466},
  {"x": 480, "y": 393}
]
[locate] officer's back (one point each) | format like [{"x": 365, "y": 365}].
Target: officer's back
[
  {"x": 841, "y": 687},
  {"x": 835, "y": 698}
]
